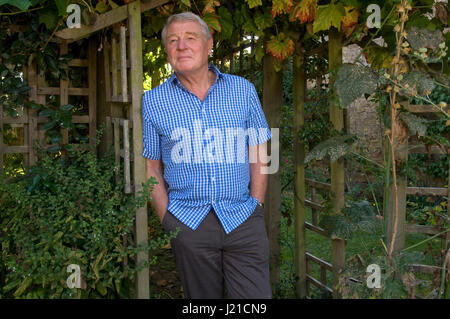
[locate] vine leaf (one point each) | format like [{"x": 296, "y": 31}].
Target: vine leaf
[
  {"x": 212, "y": 20},
  {"x": 378, "y": 57},
  {"x": 335, "y": 147},
  {"x": 253, "y": 3},
  {"x": 263, "y": 20},
  {"x": 21, "y": 4},
  {"x": 280, "y": 46},
  {"x": 418, "y": 81},
  {"x": 329, "y": 16},
  {"x": 352, "y": 81},
  {"x": 424, "y": 38},
  {"x": 353, "y": 217},
  {"x": 226, "y": 21},
  {"x": 350, "y": 20},
  {"x": 281, "y": 6},
  {"x": 416, "y": 125},
  {"x": 304, "y": 11}
]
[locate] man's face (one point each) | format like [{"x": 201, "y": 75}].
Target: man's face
[{"x": 186, "y": 47}]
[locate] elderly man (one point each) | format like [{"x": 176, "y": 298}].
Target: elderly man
[{"x": 216, "y": 200}]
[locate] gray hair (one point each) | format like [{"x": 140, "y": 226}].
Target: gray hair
[{"x": 182, "y": 17}]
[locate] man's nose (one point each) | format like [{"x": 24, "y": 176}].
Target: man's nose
[{"x": 181, "y": 45}]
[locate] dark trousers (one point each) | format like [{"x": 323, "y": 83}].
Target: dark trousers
[{"x": 210, "y": 260}]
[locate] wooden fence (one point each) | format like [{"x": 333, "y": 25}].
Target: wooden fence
[{"x": 338, "y": 245}]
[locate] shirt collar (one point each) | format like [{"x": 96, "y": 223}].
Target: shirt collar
[{"x": 219, "y": 75}]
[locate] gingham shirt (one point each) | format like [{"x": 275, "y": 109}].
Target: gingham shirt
[{"x": 201, "y": 168}]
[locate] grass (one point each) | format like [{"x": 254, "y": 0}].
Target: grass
[{"x": 363, "y": 244}]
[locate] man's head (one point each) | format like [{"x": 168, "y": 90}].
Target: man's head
[{"x": 188, "y": 42}]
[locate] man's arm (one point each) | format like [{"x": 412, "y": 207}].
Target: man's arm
[
  {"x": 160, "y": 200},
  {"x": 258, "y": 177}
]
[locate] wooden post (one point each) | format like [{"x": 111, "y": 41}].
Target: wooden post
[
  {"x": 64, "y": 91},
  {"x": 272, "y": 102},
  {"x": 1, "y": 140},
  {"x": 139, "y": 173},
  {"x": 126, "y": 156},
  {"x": 123, "y": 64},
  {"x": 299, "y": 94},
  {"x": 337, "y": 168},
  {"x": 32, "y": 114},
  {"x": 116, "y": 130},
  {"x": 114, "y": 67},
  {"x": 92, "y": 81},
  {"x": 447, "y": 241}
]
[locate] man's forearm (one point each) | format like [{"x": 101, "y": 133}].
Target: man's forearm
[
  {"x": 258, "y": 179},
  {"x": 160, "y": 199}
]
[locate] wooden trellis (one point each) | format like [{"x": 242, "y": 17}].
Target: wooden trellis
[
  {"x": 414, "y": 146},
  {"x": 30, "y": 120}
]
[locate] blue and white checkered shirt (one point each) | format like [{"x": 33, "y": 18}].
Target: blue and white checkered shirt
[{"x": 204, "y": 166}]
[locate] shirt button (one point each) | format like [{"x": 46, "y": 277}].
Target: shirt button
[
  {"x": 213, "y": 179},
  {"x": 213, "y": 202}
]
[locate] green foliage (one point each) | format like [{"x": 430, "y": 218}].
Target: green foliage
[
  {"x": 416, "y": 125},
  {"x": 352, "y": 81},
  {"x": 396, "y": 278},
  {"x": 335, "y": 147},
  {"x": 69, "y": 211},
  {"x": 355, "y": 216}
]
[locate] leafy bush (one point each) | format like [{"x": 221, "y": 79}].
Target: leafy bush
[{"x": 69, "y": 211}]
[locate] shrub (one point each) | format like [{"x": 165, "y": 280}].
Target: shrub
[{"x": 69, "y": 211}]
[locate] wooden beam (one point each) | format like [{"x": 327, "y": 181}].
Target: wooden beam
[
  {"x": 139, "y": 172},
  {"x": 423, "y": 229},
  {"x": 64, "y": 92},
  {"x": 317, "y": 184},
  {"x": 56, "y": 91},
  {"x": 123, "y": 64},
  {"x": 432, "y": 191},
  {"x": 322, "y": 263},
  {"x": 316, "y": 229},
  {"x": 105, "y": 20},
  {"x": 1, "y": 139},
  {"x": 92, "y": 82},
  {"x": 78, "y": 63},
  {"x": 318, "y": 284}
]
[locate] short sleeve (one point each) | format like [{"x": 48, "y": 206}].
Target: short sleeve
[
  {"x": 258, "y": 130},
  {"x": 151, "y": 138}
]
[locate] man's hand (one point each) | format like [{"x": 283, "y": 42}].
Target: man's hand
[{"x": 160, "y": 200}]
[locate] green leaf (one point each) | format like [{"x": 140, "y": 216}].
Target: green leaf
[
  {"x": 25, "y": 284},
  {"x": 419, "y": 81},
  {"x": 253, "y": 3},
  {"x": 49, "y": 125},
  {"x": 263, "y": 20},
  {"x": 280, "y": 46},
  {"x": 415, "y": 124},
  {"x": 352, "y": 81},
  {"x": 49, "y": 18},
  {"x": 101, "y": 7},
  {"x": 62, "y": 6},
  {"x": 101, "y": 289},
  {"x": 335, "y": 147},
  {"x": 424, "y": 38},
  {"x": 21, "y": 4},
  {"x": 226, "y": 21},
  {"x": 329, "y": 16},
  {"x": 213, "y": 22},
  {"x": 66, "y": 107},
  {"x": 113, "y": 4},
  {"x": 47, "y": 112}
]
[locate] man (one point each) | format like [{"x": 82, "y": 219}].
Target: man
[{"x": 213, "y": 195}]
